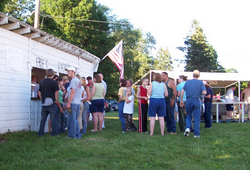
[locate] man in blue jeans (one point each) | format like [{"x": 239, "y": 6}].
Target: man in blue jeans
[
  {"x": 194, "y": 89},
  {"x": 73, "y": 104},
  {"x": 170, "y": 101},
  {"x": 48, "y": 93}
]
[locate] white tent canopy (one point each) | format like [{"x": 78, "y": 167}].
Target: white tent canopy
[{"x": 216, "y": 79}]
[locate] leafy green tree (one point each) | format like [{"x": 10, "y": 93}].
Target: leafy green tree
[
  {"x": 48, "y": 25},
  {"x": 163, "y": 61},
  {"x": 199, "y": 53},
  {"x": 2, "y": 5},
  {"x": 143, "y": 59},
  {"x": 20, "y": 9},
  {"x": 73, "y": 17}
]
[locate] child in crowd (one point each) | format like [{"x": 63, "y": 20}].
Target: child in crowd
[
  {"x": 142, "y": 97},
  {"x": 128, "y": 110}
]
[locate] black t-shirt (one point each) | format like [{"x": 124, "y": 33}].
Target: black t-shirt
[{"x": 48, "y": 87}]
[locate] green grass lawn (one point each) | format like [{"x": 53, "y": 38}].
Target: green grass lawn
[{"x": 225, "y": 146}]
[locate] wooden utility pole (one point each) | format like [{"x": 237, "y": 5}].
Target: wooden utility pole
[{"x": 37, "y": 12}]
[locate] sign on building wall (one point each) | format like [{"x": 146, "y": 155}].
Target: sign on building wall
[
  {"x": 42, "y": 63},
  {"x": 14, "y": 59}
]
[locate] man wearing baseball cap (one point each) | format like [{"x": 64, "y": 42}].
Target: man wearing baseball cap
[{"x": 73, "y": 104}]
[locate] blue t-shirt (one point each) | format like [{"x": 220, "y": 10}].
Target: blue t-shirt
[
  {"x": 179, "y": 88},
  {"x": 209, "y": 91},
  {"x": 158, "y": 90},
  {"x": 75, "y": 84},
  {"x": 194, "y": 89}
]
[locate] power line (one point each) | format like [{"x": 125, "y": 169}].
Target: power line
[
  {"x": 90, "y": 28},
  {"x": 107, "y": 22}
]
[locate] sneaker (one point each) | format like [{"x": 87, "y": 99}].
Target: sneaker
[
  {"x": 187, "y": 131},
  {"x": 146, "y": 132},
  {"x": 196, "y": 136},
  {"x": 123, "y": 131}
]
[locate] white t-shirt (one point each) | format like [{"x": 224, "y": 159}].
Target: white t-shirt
[
  {"x": 82, "y": 90},
  {"x": 129, "y": 107},
  {"x": 230, "y": 96},
  {"x": 85, "y": 94}
]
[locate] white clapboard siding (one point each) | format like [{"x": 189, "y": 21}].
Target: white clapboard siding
[
  {"x": 13, "y": 39},
  {"x": 2, "y": 46},
  {"x": 12, "y": 82},
  {"x": 16, "y": 90},
  {"x": 14, "y": 128},
  {"x": 14, "y": 116},
  {"x": 22, "y": 76},
  {"x": 2, "y": 61},
  {"x": 14, "y": 85},
  {"x": 85, "y": 68},
  {"x": 16, "y": 97},
  {"x": 5, "y": 104},
  {"x": 13, "y": 110},
  {"x": 14, "y": 123}
]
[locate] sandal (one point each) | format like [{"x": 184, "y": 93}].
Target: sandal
[{"x": 93, "y": 130}]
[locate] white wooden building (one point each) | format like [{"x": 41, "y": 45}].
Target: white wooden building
[{"x": 26, "y": 51}]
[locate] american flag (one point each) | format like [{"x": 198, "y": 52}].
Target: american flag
[{"x": 116, "y": 55}]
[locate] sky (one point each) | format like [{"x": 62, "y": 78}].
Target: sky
[{"x": 225, "y": 23}]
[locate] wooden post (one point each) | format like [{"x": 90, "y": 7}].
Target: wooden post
[{"x": 37, "y": 16}]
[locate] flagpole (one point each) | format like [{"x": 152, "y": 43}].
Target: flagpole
[
  {"x": 103, "y": 58},
  {"x": 100, "y": 61}
]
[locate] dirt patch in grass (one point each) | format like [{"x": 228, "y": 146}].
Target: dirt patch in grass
[{"x": 2, "y": 139}]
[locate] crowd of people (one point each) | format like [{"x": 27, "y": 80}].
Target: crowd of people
[
  {"x": 69, "y": 100},
  {"x": 73, "y": 98},
  {"x": 162, "y": 96}
]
